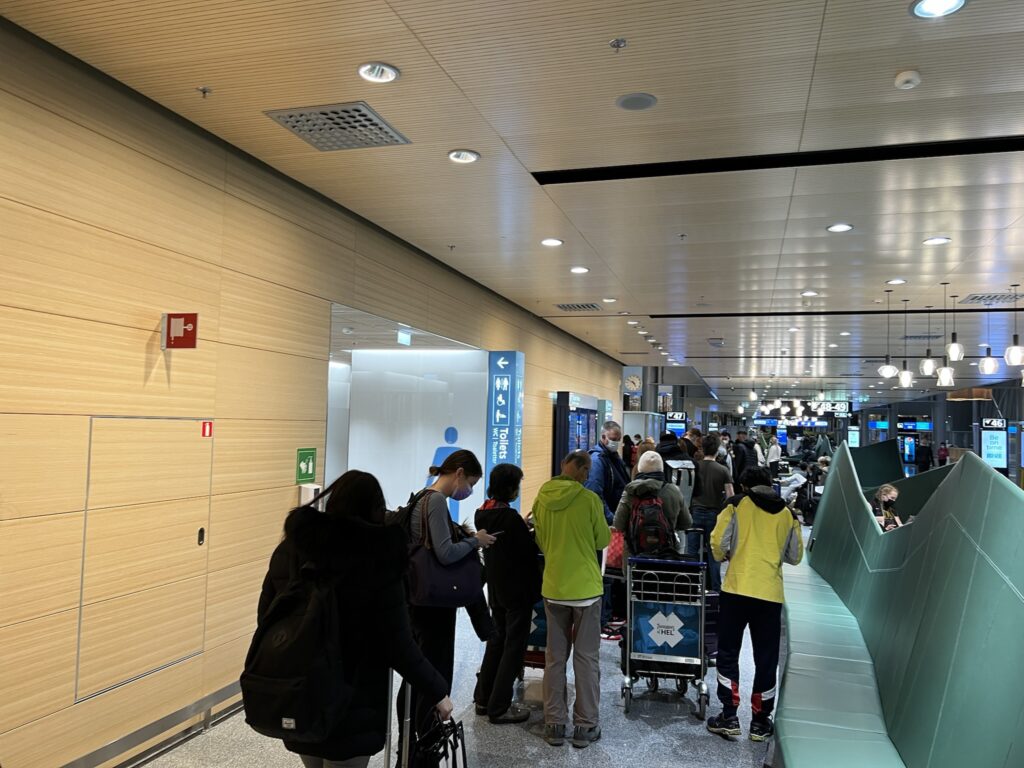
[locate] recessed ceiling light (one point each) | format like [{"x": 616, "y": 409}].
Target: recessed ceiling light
[
  {"x": 808, "y": 294},
  {"x": 623, "y": 312},
  {"x": 551, "y": 242},
  {"x": 935, "y": 9},
  {"x": 844, "y": 333},
  {"x": 833, "y": 346},
  {"x": 975, "y": 365},
  {"x": 579, "y": 270},
  {"x": 671, "y": 359},
  {"x": 871, "y": 386},
  {"x": 665, "y": 354},
  {"x": 635, "y": 102},
  {"x": 896, "y": 281},
  {"x": 463, "y": 156},
  {"x": 938, "y": 240},
  {"x": 792, "y": 330},
  {"x": 675, "y": 365},
  {"x": 839, "y": 227},
  {"x": 632, "y": 322},
  {"x": 643, "y": 333},
  {"x": 609, "y": 300},
  {"x": 378, "y": 72}
]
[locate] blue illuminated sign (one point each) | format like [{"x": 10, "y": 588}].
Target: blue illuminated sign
[
  {"x": 504, "y": 411},
  {"x": 878, "y": 425},
  {"x": 914, "y": 426}
]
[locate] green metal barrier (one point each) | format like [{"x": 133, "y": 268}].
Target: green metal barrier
[{"x": 940, "y": 605}]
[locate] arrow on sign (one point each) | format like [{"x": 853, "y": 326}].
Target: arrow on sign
[{"x": 502, "y": 363}]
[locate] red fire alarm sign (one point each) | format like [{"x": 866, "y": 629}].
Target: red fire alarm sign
[
  {"x": 207, "y": 429},
  {"x": 179, "y": 330}
]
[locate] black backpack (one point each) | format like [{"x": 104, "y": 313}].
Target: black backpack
[
  {"x": 294, "y": 685},
  {"x": 649, "y": 531}
]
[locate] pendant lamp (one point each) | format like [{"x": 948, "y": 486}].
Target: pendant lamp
[
  {"x": 752, "y": 394},
  {"x": 739, "y": 409},
  {"x": 887, "y": 370},
  {"x": 988, "y": 364},
  {"x": 928, "y": 364},
  {"x": 954, "y": 350},
  {"x": 945, "y": 374},
  {"x": 1014, "y": 354},
  {"x": 906, "y": 375}
]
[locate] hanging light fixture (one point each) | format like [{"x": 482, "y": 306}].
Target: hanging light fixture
[
  {"x": 945, "y": 374},
  {"x": 1014, "y": 354},
  {"x": 954, "y": 350},
  {"x": 739, "y": 409},
  {"x": 752, "y": 394},
  {"x": 777, "y": 403},
  {"x": 906, "y": 375},
  {"x": 928, "y": 364},
  {"x": 821, "y": 395},
  {"x": 887, "y": 370},
  {"x": 988, "y": 364}
]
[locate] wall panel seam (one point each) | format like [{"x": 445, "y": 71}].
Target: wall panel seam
[
  {"x": 164, "y": 585},
  {"x": 49, "y": 615},
  {"x": 81, "y": 576}
]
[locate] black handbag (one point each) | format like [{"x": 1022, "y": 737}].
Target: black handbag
[{"x": 435, "y": 585}]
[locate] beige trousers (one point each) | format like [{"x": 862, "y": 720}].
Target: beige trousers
[{"x": 576, "y": 631}]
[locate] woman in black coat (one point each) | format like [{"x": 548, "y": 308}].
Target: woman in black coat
[
  {"x": 512, "y": 567},
  {"x": 350, "y": 539}
]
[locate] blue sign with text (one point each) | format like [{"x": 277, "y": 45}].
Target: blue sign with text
[{"x": 504, "y": 411}]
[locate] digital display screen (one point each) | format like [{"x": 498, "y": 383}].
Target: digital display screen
[
  {"x": 678, "y": 427},
  {"x": 582, "y": 430},
  {"x": 914, "y": 426},
  {"x": 853, "y": 438},
  {"x": 883, "y": 425},
  {"x": 993, "y": 448}
]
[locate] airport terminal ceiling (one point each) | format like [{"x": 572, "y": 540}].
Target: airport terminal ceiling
[{"x": 532, "y": 88}]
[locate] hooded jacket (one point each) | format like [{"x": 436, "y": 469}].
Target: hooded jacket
[
  {"x": 651, "y": 484},
  {"x": 571, "y": 527},
  {"x": 608, "y": 476},
  {"x": 757, "y": 533},
  {"x": 370, "y": 561}
]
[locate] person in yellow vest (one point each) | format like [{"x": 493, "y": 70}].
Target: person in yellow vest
[{"x": 756, "y": 533}]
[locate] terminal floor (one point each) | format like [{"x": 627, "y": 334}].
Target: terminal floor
[{"x": 659, "y": 732}]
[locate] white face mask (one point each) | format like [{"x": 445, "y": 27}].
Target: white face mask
[{"x": 613, "y": 445}]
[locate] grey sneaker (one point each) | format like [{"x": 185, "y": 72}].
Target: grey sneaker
[
  {"x": 583, "y": 737},
  {"x": 514, "y": 714},
  {"x": 554, "y": 735}
]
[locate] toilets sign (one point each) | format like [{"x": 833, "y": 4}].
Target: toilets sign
[{"x": 504, "y": 410}]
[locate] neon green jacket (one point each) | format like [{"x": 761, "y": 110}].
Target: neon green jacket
[
  {"x": 571, "y": 529},
  {"x": 757, "y": 533}
]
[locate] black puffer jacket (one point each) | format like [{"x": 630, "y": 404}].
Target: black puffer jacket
[{"x": 371, "y": 560}]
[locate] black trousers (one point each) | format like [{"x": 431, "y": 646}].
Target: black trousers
[
  {"x": 736, "y": 613},
  {"x": 434, "y": 632},
  {"x": 503, "y": 658}
]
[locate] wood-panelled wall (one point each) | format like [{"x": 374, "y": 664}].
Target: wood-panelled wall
[{"x": 112, "y": 614}]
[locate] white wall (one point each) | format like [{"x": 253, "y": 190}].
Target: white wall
[
  {"x": 402, "y": 404},
  {"x": 339, "y": 386}
]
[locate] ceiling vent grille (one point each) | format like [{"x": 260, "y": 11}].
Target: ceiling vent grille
[
  {"x": 987, "y": 298},
  {"x": 716, "y": 342},
  {"x": 578, "y": 307},
  {"x": 339, "y": 126},
  {"x": 921, "y": 337}
]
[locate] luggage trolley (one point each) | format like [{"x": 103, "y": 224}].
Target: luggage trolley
[{"x": 665, "y": 626}]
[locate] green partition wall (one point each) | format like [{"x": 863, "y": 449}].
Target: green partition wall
[
  {"x": 915, "y": 491},
  {"x": 940, "y": 603},
  {"x": 878, "y": 463}
]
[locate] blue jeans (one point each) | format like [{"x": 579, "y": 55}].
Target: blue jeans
[{"x": 705, "y": 519}]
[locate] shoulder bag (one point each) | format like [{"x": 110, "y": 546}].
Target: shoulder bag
[{"x": 435, "y": 585}]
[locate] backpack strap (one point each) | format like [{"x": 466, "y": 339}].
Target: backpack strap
[{"x": 424, "y": 517}]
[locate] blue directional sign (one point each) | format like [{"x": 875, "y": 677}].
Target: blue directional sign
[{"x": 504, "y": 411}]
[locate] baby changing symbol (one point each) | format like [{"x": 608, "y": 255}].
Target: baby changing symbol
[{"x": 665, "y": 629}]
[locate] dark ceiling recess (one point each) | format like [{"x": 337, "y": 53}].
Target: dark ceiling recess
[{"x": 952, "y": 148}]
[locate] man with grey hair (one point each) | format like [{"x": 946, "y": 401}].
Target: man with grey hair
[
  {"x": 608, "y": 478},
  {"x": 650, "y": 481}
]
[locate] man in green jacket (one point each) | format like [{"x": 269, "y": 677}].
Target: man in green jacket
[{"x": 571, "y": 528}]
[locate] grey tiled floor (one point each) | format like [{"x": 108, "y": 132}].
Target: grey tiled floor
[{"x": 659, "y": 732}]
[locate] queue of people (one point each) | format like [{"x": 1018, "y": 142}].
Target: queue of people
[{"x": 409, "y": 572}]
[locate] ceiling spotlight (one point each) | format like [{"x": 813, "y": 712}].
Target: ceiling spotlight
[
  {"x": 635, "y": 102},
  {"x": 844, "y": 333},
  {"x": 675, "y": 365},
  {"x": 551, "y": 242},
  {"x": 632, "y": 322},
  {"x": 378, "y": 72},
  {"x": 833, "y": 346},
  {"x": 839, "y": 227},
  {"x": 740, "y": 409},
  {"x": 896, "y": 281},
  {"x": 643, "y": 333},
  {"x": 609, "y": 300},
  {"x": 665, "y": 354},
  {"x": 579, "y": 270},
  {"x": 907, "y": 80},
  {"x": 808, "y": 294},
  {"x": 623, "y": 312},
  {"x": 935, "y": 9},
  {"x": 938, "y": 240},
  {"x": 463, "y": 156},
  {"x": 792, "y": 330}
]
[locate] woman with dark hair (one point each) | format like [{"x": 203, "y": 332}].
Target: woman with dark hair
[
  {"x": 628, "y": 451},
  {"x": 513, "y": 588},
  {"x": 349, "y": 539},
  {"x": 434, "y": 628}
]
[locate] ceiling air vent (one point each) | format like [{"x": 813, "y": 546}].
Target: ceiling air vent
[
  {"x": 338, "y": 126},
  {"x": 578, "y": 307},
  {"x": 921, "y": 337},
  {"x": 987, "y": 298}
]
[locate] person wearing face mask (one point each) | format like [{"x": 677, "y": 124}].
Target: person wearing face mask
[
  {"x": 571, "y": 527},
  {"x": 608, "y": 479},
  {"x": 513, "y": 574},
  {"x": 434, "y": 628},
  {"x": 884, "y": 507}
]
